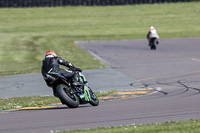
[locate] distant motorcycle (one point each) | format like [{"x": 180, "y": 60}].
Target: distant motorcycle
[
  {"x": 153, "y": 42},
  {"x": 70, "y": 95}
]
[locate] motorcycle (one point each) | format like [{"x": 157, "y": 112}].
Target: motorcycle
[
  {"x": 153, "y": 43},
  {"x": 72, "y": 96}
]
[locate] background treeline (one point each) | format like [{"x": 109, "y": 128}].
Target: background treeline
[{"x": 52, "y": 3}]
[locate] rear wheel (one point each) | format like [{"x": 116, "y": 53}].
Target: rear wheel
[
  {"x": 63, "y": 92},
  {"x": 94, "y": 99},
  {"x": 153, "y": 47}
]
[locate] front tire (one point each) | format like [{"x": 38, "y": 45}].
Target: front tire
[
  {"x": 71, "y": 100},
  {"x": 94, "y": 99}
]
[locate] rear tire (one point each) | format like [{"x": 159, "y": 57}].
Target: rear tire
[
  {"x": 71, "y": 100},
  {"x": 153, "y": 47},
  {"x": 94, "y": 99}
]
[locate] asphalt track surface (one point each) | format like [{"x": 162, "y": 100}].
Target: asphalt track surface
[
  {"x": 34, "y": 85},
  {"x": 173, "y": 70}
]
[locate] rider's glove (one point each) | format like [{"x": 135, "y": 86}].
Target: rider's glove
[{"x": 78, "y": 69}]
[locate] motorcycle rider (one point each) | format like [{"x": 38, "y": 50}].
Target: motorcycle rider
[
  {"x": 152, "y": 36},
  {"x": 51, "y": 63}
]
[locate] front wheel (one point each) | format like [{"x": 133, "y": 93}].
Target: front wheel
[
  {"x": 71, "y": 100},
  {"x": 94, "y": 99}
]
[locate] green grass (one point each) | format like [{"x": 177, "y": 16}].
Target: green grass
[
  {"x": 36, "y": 101},
  {"x": 27, "y": 33},
  {"x": 192, "y": 126},
  {"x": 24, "y": 54},
  {"x": 29, "y": 101}
]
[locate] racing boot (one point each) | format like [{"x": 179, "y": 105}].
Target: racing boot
[
  {"x": 75, "y": 80},
  {"x": 77, "y": 85}
]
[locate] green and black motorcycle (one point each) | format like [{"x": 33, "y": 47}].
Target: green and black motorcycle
[{"x": 70, "y": 95}]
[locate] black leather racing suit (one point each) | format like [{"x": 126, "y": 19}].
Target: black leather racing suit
[{"x": 51, "y": 64}]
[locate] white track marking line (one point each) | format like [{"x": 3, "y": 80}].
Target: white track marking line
[{"x": 96, "y": 56}]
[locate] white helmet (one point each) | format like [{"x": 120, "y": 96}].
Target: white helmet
[{"x": 151, "y": 28}]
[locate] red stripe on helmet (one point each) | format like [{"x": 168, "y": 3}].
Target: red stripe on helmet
[{"x": 51, "y": 52}]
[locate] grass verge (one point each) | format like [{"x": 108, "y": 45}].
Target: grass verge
[
  {"x": 27, "y": 33},
  {"x": 36, "y": 101},
  {"x": 192, "y": 126}
]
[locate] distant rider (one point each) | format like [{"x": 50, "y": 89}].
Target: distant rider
[
  {"x": 51, "y": 64},
  {"x": 152, "y": 36}
]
